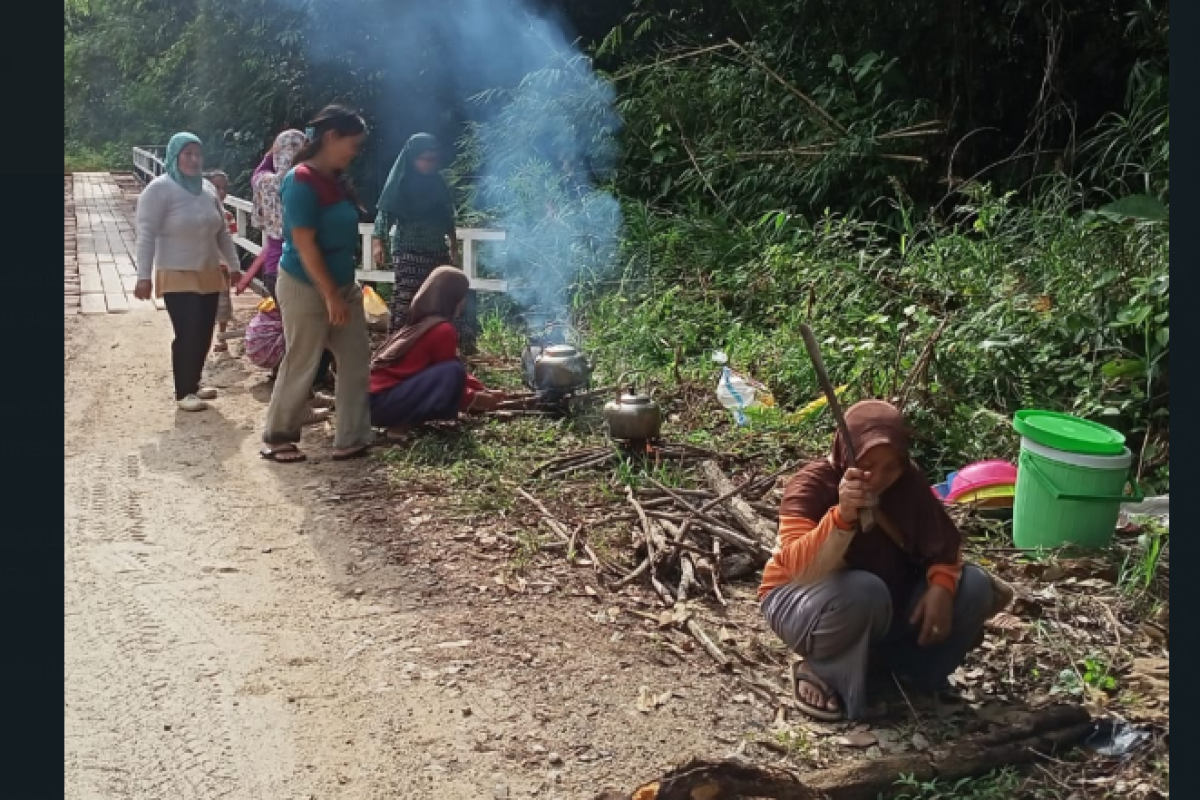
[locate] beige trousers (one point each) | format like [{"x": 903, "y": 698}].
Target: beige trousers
[{"x": 307, "y": 331}]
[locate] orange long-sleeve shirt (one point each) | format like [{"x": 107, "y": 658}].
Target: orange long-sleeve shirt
[{"x": 808, "y": 551}]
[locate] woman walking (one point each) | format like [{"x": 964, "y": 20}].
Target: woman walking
[
  {"x": 416, "y": 218},
  {"x": 182, "y": 239},
  {"x": 319, "y": 298}
]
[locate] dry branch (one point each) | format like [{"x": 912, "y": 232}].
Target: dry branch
[
  {"x": 1045, "y": 733},
  {"x": 741, "y": 510}
]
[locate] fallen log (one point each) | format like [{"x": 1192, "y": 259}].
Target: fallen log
[
  {"x": 1046, "y": 733},
  {"x": 738, "y": 507}
]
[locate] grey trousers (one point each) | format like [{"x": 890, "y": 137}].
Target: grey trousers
[
  {"x": 307, "y": 332},
  {"x": 841, "y": 621}
]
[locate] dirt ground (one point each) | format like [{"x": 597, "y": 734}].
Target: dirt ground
[
  {"x": 236, "y": 628},
  {"x": 227, "y": 635}
]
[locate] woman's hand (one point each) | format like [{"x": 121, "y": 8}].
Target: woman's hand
[
  {"x": 854, "y": 493},
  {"x": 143, "y": 289},
  {"x": 933, "y": 615},
  {"x": 339, "y": 311},
  {"x": 377, "y": 254}
]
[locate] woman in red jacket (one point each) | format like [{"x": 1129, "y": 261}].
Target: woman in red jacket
[{"x": 416, "y": 375}]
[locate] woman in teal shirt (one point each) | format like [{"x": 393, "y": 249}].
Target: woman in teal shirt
[{"x": 316, "y": 291}]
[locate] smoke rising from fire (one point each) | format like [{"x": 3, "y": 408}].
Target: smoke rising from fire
[{"x": 542, "y": 124}]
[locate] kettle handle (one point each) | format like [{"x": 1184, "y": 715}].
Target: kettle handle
[{"x": 621, "y": 381}]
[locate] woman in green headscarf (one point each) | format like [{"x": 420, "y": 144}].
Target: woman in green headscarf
[
  {"x": 416, "y": 216},
  {"x": 182, "y": 237}
]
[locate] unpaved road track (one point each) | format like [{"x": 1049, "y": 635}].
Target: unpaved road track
[{"x": 207, "y": 654}]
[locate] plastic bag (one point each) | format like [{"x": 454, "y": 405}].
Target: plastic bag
[
  {"x": 740, "y": 394},
  {"x": 264, "y": 341},
  {"x": 376, "y": 310}
]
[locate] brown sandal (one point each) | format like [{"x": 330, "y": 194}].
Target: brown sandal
[
  {"x": 357, "y": 452},
  {"x": 276, "y": 453},
  {"x": 822, "y": 712}
]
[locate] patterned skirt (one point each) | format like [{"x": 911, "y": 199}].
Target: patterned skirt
[{"x": 411, "y": 269}]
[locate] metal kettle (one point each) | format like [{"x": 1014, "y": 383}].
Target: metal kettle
[
  {"x": 632, "y": 416},
  {"x": 560, "y": 366}
]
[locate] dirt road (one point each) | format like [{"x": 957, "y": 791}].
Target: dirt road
[{"x": 207, "y": 653}]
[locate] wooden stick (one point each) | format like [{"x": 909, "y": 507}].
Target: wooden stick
[
  {"x": 687, "y": 574},
  {"x": 716, "y": 570},
  {"x": 690, "y": 54},
  {"x": 651, "y": 550},
  {"x": 740, "y": 509},
  {"x": 822, "y": 113},
  {"x": 561, "y": 530},
  {"x": 866, "y": 780},
  {"x": 708, "y": 644},
  {"x": 634, "y": 574},
  {"x": 582, "y": 465}
]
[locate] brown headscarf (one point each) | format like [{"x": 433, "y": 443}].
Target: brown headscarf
[
  {"x": 434, "y": 303},
  {"x": 930, "y": 536}
]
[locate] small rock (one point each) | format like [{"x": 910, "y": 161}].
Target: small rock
[
  {"x": 537, "y": 748},
  {"x": 554, "y": 758},
  {"x": 920, "y": 742},
  {"x": 267, "y": 549},
  {"x": 466, "y": 712},
  {"x": 359, "y": 592},
  {"x": 500, "y": 792}
]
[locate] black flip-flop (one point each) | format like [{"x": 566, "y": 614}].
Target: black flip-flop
[
  {"x": 817, "y": 712},
  {"x": 357, "y": 452},
  {"x": 272, "y": 454}
]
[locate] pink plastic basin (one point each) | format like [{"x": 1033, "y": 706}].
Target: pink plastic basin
[{"x": 980, "y": 475}]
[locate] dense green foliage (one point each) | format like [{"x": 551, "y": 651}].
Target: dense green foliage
[{"x": 995, "y": 175}]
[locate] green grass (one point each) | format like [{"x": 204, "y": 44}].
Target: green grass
[
  {"x": 112, "y": 157},
  {"x": 1002, "y": 784}
]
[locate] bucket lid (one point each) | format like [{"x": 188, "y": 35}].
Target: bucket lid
[{"x": 1069, "y": 433}]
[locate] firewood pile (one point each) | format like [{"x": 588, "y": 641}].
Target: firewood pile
[{"x": 687, "y": 542}]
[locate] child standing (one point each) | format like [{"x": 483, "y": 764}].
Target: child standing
[{"x": 220, "y": 182}]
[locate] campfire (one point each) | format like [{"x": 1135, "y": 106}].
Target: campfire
[{"x": 634, "y": 425}]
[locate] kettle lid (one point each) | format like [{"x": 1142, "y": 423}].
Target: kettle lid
[
  {"x": 629, "y": 397},
  {"x": 560, "y": 350}
]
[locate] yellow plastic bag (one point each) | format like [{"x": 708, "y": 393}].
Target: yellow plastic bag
[
  {"x": 377, "y": 311},
  {"x": 267, "y": 304},
  {"x": 372, "y": 303}
]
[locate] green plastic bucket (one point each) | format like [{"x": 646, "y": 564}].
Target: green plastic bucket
[{"x": 1068, "y": 498}]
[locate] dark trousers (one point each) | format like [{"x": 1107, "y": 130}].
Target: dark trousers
[
  {"x": 193, "y": 316},
  {"x": 434, "y": 393}
]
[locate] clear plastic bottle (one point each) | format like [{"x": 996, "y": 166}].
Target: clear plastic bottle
[{"x": 735, "y": 394}]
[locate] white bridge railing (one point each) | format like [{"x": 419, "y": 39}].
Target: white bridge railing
[{"x": 147, "y": 163}]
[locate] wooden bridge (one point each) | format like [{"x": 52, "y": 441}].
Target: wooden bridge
[{"x": 100, "y": 245}]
